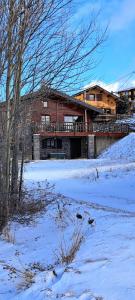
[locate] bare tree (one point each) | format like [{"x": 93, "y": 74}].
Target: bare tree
[{"x": 38, "y": 44}]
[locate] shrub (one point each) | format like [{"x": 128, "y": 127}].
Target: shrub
[{"x": 67, "y": 254}]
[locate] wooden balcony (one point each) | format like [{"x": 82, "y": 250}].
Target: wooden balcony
[{"x": 80, "y": 129}]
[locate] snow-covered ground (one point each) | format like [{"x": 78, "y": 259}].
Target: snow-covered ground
[
  {"x": 103, "y": 268},
  {"x": 129, "y": 121}
]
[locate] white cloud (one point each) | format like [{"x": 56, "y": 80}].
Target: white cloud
[
  {"x": 133, "y": 82},
  {"x": 84, "y": 11},
  {"x": 112, "y": 87},
  {"x": 119, "y": 14}
]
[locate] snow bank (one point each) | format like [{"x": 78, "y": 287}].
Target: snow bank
[
  {"x": 129, "y": 120},
  {"x": 123, "y": 149}
]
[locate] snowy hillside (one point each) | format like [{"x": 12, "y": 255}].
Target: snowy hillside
[
  {"x": 82, "y": 246},
  {"x": 123, "y": 149}
]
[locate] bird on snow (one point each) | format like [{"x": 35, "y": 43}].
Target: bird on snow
[
  {"x": 91, "y": 221},
  {"x": 79, "y": 216}
]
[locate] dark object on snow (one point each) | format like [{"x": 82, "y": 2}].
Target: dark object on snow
[
  {"x": 79, "y": 216},
  {"x": 54, "y": 273},
  {"x": 91, "y": 221}
]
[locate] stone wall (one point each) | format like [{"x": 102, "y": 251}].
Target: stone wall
[
  {"x": 103, "y": 142},
  {"x": 91, "y": 146}
]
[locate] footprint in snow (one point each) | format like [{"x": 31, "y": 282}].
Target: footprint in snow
[
  {"x": 53, "y": 276},
  {"x": 89, "y": 296},
  {"x": 86, "y": 296}
]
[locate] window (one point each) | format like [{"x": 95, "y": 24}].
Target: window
[
  {"x": 45, "y": 119},
  {"x": 52, "y": 143},
  {"x": 45, "y": 103},
  {"x": 90, "y": 97},
  {"x": 99, "y": 97},
  {"x": 73, "y": 119},
  {"x": 107, "y": 110}
]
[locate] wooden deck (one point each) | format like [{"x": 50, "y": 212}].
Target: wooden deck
[{"x": 81, "y": 129}]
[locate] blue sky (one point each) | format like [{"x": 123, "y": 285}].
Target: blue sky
[{"x": 118, "y": 53}]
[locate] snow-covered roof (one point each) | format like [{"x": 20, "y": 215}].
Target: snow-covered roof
[
  {"x": 98, "y": 87},
  {"x": 126, "y": 89}
]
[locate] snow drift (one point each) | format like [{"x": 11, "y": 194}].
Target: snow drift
[{"x": 123, "y": 149}]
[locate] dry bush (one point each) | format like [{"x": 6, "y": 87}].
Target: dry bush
[
  {"x": 27, "y": 210},
  {"x": 97, "y": 174},
  {"x": 33, "y": 202},
  {"x": 37, "y": 266},
  {"x": 62, "y": 216},
  {"x": 7, "y": 235},
  {"x": 27, "y": 280},
  {"x": 67, "y": 254}
]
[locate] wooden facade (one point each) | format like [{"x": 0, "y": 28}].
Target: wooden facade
[
  {"x": 57, "y": 106},
  {"x": 99, "y": 98},
  {"x": 60, "y": 126}
]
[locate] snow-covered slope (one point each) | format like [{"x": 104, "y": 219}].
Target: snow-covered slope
[
  {"x": 103, "y": 267},
  {"x": 123, "y": 149}
]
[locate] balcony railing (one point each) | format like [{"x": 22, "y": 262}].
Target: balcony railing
[{"x": 81, "y": 127}]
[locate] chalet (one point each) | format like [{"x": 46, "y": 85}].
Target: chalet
[
  {"x": 128, "y": 95},
  {"x": 60, "y": 126},
  {"x": 98, "y": 97}
]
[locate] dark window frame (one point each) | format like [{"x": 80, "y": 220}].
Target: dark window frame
[
  {"x": 88, "y": 97},
  {"x": 52, "y": 143},
  {"x": 99, "y": 97},
  {"x": 45, "y": 121}
]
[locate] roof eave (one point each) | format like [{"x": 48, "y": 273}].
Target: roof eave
[
  {"x": 96, "y": 86},
  {"x": 75, "y": 101}
]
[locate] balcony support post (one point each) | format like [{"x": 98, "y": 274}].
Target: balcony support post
[
  {"x": 86, "y": 120},
  {"x": 91, "y": 146}
]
